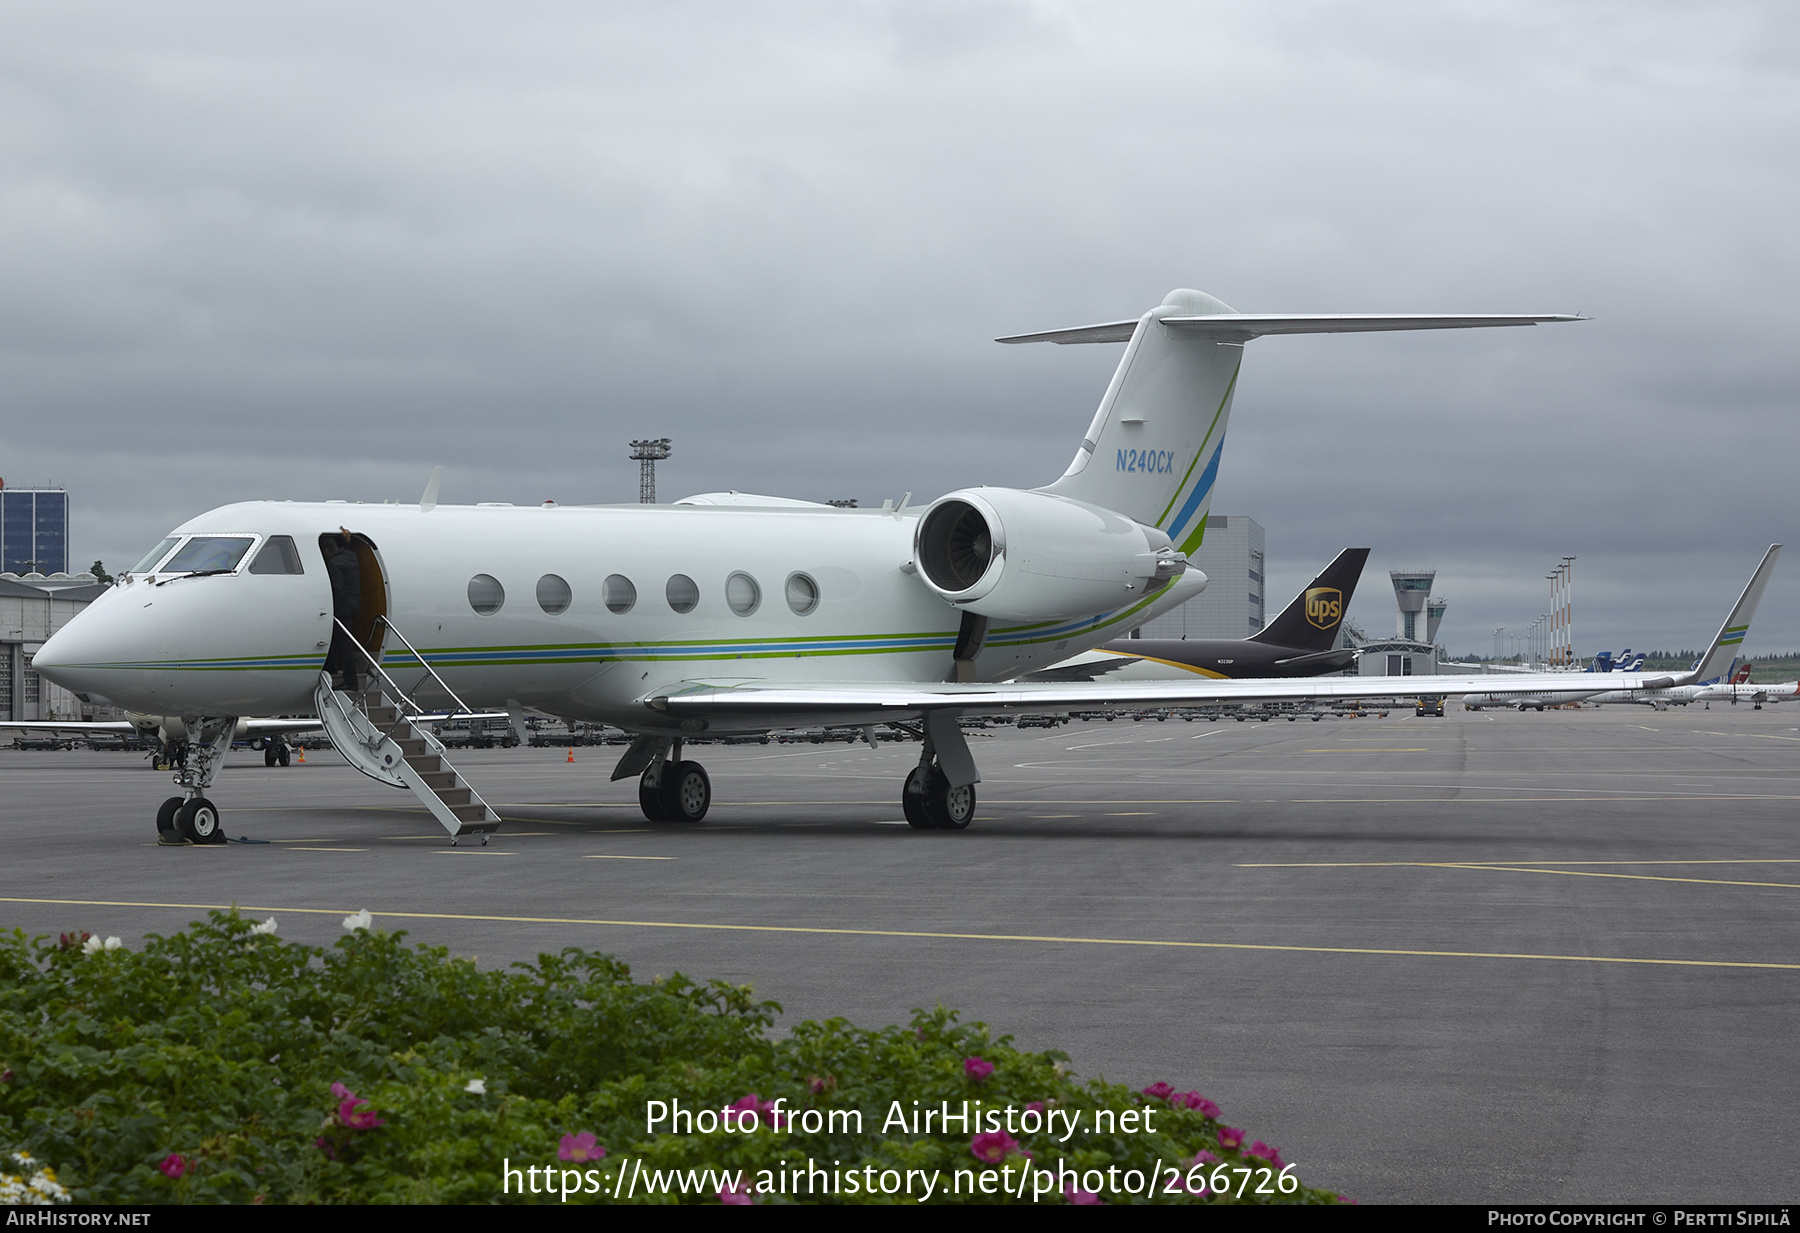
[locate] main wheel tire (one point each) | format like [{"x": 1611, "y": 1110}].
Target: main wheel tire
[
  {"x": 913, "y": 801},
  {"x": 686, "y": 792},
  {"x": 950, "y": 809},
  {"x": 199, "y": 820},
  {"x": 650, "y": 797},
  {"x": 167, "y": 828},
  {"x": 284, "y": 756},
  {"x": 269, "y": 755}
]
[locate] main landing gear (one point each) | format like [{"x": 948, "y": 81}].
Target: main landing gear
[
  {"x": 671, "y": 790},
  {"x": 192, "y": 818},
  {"x": 276, "y": 751},
  {"x": 931, "y": 804},
  {"x": 939, "y": 793}
]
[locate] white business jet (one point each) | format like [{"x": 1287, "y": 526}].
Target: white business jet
[{"x": 729, "y": 614}]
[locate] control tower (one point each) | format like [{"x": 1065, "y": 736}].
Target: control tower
[
  {"x": 1412, "y": 651},
  {"x": 1412, "y": 588}
]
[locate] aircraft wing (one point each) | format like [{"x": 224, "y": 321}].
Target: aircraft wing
[
  {"x": 1083, "y": 669},
  {"x": 77, "y": 727},
  {"x": 259, "y": 727},
  {"x": 748, "y": 704},
  {"x": 743, "y": 703}
]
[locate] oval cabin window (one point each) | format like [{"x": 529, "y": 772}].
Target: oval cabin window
[
  {"x": 618, "y": 593},
  {"x": 742, "y": 595},
  {"x": 553, "y": 594},
  {"x": 802, "y": 593},
  {"x": 683, "y": 593},
  {"x": 486, "y": 594}
]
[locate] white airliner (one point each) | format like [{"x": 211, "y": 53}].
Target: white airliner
[{"x": 740, "y": 614}]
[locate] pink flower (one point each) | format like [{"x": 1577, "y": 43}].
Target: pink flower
[
  {"x": 1231, "y": 1137},
  {"x": 580, "y": 1148},
  {"x": 753, "y": 1111},
  {"x": 174, "y": 1166},
  {"x": 1036, "y": 1106},
  {"x": 1205, "y": 1157},
  {"x": 977, "y": 1069},
  {"x": 1081, "y": 1198},
  {"x": 735, "y": 1195},
  {"x": 1159, "y": 1091},
  {"x": 358, "y": 1114},
  {"x": 1194, "y": 1100},
  {"x": 1262, "y": 1151},
  {"x": 343, "y": 1093},
  {"x": 324, "y": 1145},
  {"x": 993, "y": 1146}
]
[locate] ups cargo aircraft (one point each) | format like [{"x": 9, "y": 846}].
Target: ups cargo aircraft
[
  {"x": 1300, "y": 641},
  {"x": 741, "y": 614}
]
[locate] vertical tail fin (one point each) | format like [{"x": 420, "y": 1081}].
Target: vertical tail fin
[
  {"x": 1730, "y": 637},
  {"x": 1152, "y": 452},
  {"x": 1312, "y": 620}
]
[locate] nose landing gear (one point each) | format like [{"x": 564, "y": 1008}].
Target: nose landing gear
[{"x": 192, "y": 817}]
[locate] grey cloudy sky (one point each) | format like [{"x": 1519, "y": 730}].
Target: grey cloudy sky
[{"x": 310, "y": 250}]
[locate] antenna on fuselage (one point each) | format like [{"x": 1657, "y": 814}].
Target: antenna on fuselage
[
  {"x": 428, "y": 502},
  {"x": 648, "y": 453}
]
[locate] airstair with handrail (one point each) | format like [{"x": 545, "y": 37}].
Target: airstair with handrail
[{"x": 378, "y": 730}]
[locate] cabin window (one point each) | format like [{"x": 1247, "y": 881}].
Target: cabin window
[
  {"x": 207, "y": 554},
  {"x": 683, "y": 593},
  {"x": 486, "y": 595},
  {"x": 742, "y": 595},
  {"x": 802, "y": 593},
  {"x": 553, "y": 594},
  {"x": 153, "y": 556},
  {"x": 618, "y": 593},
  {"x": 278, "y": 556}
]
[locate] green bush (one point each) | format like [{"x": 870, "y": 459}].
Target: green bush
[{"x": 224, "y": 1065}]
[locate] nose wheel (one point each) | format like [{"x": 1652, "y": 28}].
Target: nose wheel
[{"x": 167, "y": 829}]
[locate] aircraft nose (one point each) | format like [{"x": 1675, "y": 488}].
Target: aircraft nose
[{"x": 66, "y": 659}]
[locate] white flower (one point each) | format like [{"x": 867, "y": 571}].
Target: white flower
[
  {"x": 477, "y": 1086},
  {"x": 267, "y": 926},
  {"x": 113, "y": 943},
  {"x": 362, "y": 920},
  {"x": 92, "y": 946}
]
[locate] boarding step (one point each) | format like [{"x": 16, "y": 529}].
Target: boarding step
[{"x": 376, "y": 737}]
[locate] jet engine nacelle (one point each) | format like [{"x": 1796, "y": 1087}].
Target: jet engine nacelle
[{"x": 1029, "y": 556}]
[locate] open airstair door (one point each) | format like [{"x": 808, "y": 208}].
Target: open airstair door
[
  {"x": 375, "y": 736},
  {"x": 370, "y": 627}
]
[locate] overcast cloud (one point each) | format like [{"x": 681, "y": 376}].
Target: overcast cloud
[{"x": 311, "y": 250}]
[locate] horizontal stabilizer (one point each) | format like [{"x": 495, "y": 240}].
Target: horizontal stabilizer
[{"x": 1242, "y": 326}]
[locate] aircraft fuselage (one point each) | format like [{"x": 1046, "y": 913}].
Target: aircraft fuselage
[{"x": 598, "y": 607}]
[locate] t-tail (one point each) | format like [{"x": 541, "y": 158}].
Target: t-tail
[
  {"x": 1312, "y": 620},
  {"x": 1152, "y": 452}
]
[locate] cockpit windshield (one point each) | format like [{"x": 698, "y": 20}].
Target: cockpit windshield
[
  {"x": 207, "y": 554},
  {"x": 153, "y": 556}
]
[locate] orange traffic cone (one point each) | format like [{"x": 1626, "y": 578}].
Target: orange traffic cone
[
  {"x": 571, "y": 753},
  {"x": 302, "y": 750}
]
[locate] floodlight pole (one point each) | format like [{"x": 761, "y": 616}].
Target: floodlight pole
[{"x": 648, "y": 453}]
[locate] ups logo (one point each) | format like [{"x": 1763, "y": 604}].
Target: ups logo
[{"x": 1324, "y": 606}]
